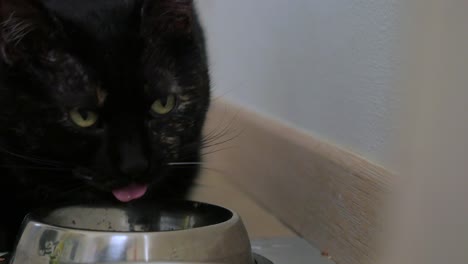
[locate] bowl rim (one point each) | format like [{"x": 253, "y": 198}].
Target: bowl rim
[{"x": 34, "y": 216}]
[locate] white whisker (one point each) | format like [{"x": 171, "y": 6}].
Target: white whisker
[{"x": 185, "y": 163}]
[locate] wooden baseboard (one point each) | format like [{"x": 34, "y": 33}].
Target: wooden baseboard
[{"x": 327, "y": 195}]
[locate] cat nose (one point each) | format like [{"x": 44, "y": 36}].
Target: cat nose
[{"x": 134, "y": 167}]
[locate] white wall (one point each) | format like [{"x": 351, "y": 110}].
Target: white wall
[
  {"x": 326, "y": 66},
  {"x": 330, "y": 66}
]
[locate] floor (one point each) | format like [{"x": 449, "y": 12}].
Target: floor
[
  {"x": 270, "y": 238},
  {"x": 212, "y": 187},
  {"x": 290, "y": 250}
]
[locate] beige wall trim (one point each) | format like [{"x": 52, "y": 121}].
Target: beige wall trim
[{"x": 327, "y": 195}]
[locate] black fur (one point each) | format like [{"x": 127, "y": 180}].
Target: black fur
[{"x": 59, "y": 55}]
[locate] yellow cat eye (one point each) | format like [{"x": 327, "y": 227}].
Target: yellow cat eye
[
  {"x": 164, "y": 106},
  {"x": 83, "y": 118}
]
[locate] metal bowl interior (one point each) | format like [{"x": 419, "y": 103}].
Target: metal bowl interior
[{"x": 164, "y": 217}]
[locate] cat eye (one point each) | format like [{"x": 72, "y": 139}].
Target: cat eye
[
  {"x": 83, "y": 118},
  {"x": 164, "y": 106}
]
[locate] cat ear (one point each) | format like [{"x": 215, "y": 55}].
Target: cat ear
[
  {"x": 168, "y": 16},
  {"x": 24, "y": 27}
]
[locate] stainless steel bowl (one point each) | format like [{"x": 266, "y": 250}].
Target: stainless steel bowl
[{"x": 176, "y": 232}]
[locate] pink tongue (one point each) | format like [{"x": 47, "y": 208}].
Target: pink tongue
[{"x": 131, "y": 192}]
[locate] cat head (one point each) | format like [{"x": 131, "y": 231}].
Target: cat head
[{"x": 116, "y": 89}]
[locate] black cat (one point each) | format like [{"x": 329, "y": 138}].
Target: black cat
[{"x": 100, "y": 100}]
